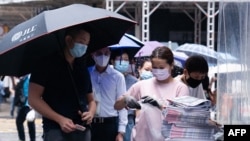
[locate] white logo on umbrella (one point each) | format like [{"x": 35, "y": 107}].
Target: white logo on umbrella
[
  {"x": 24, "y": 35},
  {"x": 16, "y": 36}
]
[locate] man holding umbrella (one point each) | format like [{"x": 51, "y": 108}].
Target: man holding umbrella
[
  {"x": 60, "y": 87},
  {"x": 61, "y": 91}
]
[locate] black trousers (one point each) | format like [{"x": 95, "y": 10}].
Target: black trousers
[
  {"x": 21, "y": 116},
  {"x": 104, "y": 131}
]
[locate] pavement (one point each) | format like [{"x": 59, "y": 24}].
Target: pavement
[{"x": 8, "y": 131}]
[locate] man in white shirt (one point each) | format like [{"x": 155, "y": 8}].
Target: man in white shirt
[{"x": 108, "y": 85}]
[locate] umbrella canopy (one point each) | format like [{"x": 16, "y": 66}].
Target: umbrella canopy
[
  {"x": 180, "y": 58},
  {"x": 128, "y": 41},
  {"x": 197, "y": 49},
  {"x": 227, "y": 68},
  {"x": 129, "y": 44},
  {"x": 148, "y": 48},
  {"x": 172, "y": 45},
  {"x": 227, "y": 57},
  {"x": 39, "y": 36}
]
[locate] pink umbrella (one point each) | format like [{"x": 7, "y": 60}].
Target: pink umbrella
[{"x": 147, "y": 49}]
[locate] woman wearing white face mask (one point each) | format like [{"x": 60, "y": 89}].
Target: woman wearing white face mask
[{"x": 157, "y": 89}]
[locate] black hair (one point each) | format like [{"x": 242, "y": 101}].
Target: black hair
[
  {"x": 164, "y": 53},
  {"x": 117, "y": 52},
  {"x": 144, "y": 61},
  {"x": 196, "y": 63},
  {"x": 74, "y": 30},
  {"x": 205, "y": 83}
]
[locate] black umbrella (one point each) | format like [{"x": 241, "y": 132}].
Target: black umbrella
[{"x": 30, "y": 41}]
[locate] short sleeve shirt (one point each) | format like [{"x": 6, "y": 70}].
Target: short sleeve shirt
[
  {"x": 63, "y": 87},
  {"x": 197, "y": 92}
]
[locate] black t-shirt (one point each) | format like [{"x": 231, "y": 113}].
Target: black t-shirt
[{"x": 55, "y": 75}]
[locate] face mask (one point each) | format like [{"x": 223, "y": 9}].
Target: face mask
[
  {"x": 161, "y": 74},
  {"x": 146, "y": 75},
  {"x": 122, "y": 66},
  {"x": 193, "y": 82},
  {"x": 101, "y": 60},
  {"x": 78, "y": 50}
]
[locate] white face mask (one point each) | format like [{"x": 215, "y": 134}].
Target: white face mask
[
  {"x": 101, "y": 60},
  {"x": 161, "y": 74}
]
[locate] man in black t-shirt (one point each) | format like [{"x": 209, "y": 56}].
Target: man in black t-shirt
[{"x": 61, "y": 91}]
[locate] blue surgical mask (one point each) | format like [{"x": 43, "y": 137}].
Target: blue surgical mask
[
  {"x": 146, "y": 75},
  {"x": 122, "y": 66},
  {"x": 78, "y": 50}
]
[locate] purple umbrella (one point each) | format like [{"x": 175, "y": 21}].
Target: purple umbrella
[{"x": 147, "y": 49}]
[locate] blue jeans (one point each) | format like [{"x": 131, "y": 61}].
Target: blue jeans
[{"x": 129, "y": 127}]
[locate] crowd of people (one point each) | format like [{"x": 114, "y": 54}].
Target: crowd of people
[{"x": 104, "y": 102}]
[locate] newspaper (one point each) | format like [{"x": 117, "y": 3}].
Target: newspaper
[{"x": 190, "y": 102}]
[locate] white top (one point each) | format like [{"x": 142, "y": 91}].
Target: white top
[
  {"x": 107, "y": 88},
  {"x": 197, "y": 92}
]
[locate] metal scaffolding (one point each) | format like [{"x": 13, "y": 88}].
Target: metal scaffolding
[{"x": 149, "y": 6}]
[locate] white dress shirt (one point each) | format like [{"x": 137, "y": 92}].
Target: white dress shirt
[{"x": 108, "y": 86}]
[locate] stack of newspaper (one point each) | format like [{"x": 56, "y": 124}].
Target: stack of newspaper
[{"x": 186, "y": 119}]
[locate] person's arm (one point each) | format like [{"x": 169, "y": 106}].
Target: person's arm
[
  {"x": 126, "y": 101},
  {"x": 213, "y": 80},
  {"x": 89, "y": 115},
  {"x": 38, "y": 104},
  {"x": 120, "y": 103},
  {"x": 123, "y": 113},
  {"x": 129, "y": 99},
  {"x": 92, "y": 104}
]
